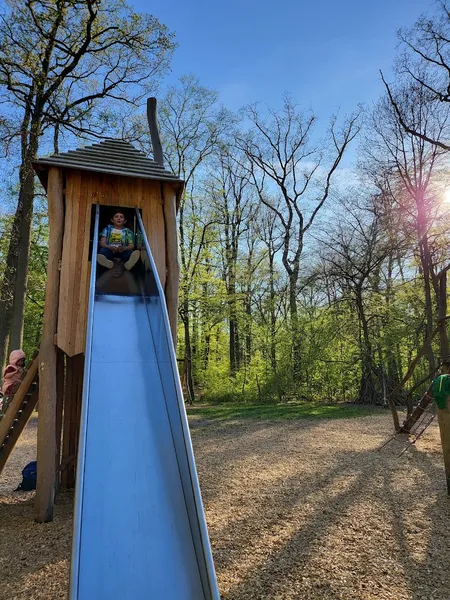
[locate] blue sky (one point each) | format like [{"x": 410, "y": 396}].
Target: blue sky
[{"x": 325, "y": 53}]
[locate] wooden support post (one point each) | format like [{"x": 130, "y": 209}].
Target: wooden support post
[
  {"x": 60, "y": 380},
  {"x": 173, "y": 266},
  {"x": 75, "y": 432},
  {"x": 67, "y": 419},
  {"x": 47, "y": 442},
  {"x": 443, "y": 415},
  {"x": 72, "y": 411}
]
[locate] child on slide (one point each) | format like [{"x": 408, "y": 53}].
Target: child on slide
[{"x": 117, "y": 243}]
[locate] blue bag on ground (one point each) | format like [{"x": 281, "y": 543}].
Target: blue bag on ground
[{"x": 29, "y": 475}]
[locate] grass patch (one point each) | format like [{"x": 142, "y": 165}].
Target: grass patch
[{"x": 291, "y": 411}]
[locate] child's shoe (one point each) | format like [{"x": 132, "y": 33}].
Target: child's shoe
[
  {"x": 105, "y": 262},
  {"x": 135, "y": 255}
]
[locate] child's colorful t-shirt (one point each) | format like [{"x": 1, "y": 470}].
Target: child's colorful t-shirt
[{"x": 118, "y": 237}]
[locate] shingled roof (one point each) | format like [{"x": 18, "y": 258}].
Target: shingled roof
[{"x": 116, "y": 157}]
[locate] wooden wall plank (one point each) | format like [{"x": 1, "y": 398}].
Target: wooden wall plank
[
  {"x": 79, "y": 227},
  {"x": 86, "y": 273},
  {"x": 173, "y": 267},
  {"x": 70, "y": 265},
  {"x": 65, "y": 287},
  {"x": 153, "y": 218},
  {"x": 83, "y": 267}
]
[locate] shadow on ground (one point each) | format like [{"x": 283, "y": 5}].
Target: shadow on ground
[
  {"x": 303, "y": 522},
  {"x": 296, "y": 510}
]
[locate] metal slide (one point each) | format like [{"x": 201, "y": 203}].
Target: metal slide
[{"x": 139, "y": 525}]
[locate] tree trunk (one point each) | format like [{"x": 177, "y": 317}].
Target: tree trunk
[
  {"x": 13, "y": 287},
  {"x": 20, "y": 288},
  {"x": 248, "y": 310},
  {"x": 442, "y": 323},
  {"x": 248, "y": 327},
  {"x": 204, "y": 322},
  {"x": 296, "y": 342},
  {"x": 273, "y": 317},
  {"x": 195, "y": 342},
  {"x": 425, "y": 260},
  {"x": 206, "y": 349},
  {"x": 234, "y": 331},
  {"x": 188, "y": 353},
  {"x": 393, "y": 370}
]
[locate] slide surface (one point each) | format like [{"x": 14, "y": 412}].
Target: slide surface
[{"x": 139, "y": 528}]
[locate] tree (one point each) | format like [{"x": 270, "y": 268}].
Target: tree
[
  {"x": 354, "y": 257},
  {"x": 269, "y": 234},
  {"x": 191, "y": 124},
  {"x": 233, "y": 205},
  {"x": 410, "y": 170},
  {"x": 281, "y": 155},
  {"x": 63, "y": 65},
  {"x": 424, "y": 63}
]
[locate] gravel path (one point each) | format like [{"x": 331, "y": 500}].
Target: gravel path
[{"x": 296, "y": 510}]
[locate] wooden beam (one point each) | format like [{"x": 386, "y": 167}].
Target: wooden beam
[
  {"x": 18, "y": 398},
  {"x": 75, "y": 430},
  {"x": 18, "y": 413},
  {"x": 60, "y": 381},
  {"x": 443, "y": 337},
  {"x": 48, "y": 393},
  {"x": 67, "y": 420},
  {"x": 154, "y": 131},
  {"x": 72, "y": 409},
  {"x": 172, "y": 262}
]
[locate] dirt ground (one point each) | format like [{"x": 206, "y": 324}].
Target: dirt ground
[{"x": 296, "y": 510}]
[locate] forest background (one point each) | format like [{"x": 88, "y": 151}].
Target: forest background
[{"x": 302, "y": 278}]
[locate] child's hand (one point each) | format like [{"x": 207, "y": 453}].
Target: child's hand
[
  {"x": 121, "y": 249},
  {"x": 113, "y": 249}
]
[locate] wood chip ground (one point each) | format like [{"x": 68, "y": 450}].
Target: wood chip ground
[{"x": 302, "y": 510}]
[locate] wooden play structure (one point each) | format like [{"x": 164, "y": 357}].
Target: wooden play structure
[{"x": 111, "y": 174}]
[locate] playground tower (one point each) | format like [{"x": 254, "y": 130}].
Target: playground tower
[{"x": 111, "y": 174}]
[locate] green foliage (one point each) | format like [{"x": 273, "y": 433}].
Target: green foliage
[
  {"x": 34, "y": 305},
  {"x": 285, "y": 412},
  {"x": 358, "y": 293}
]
